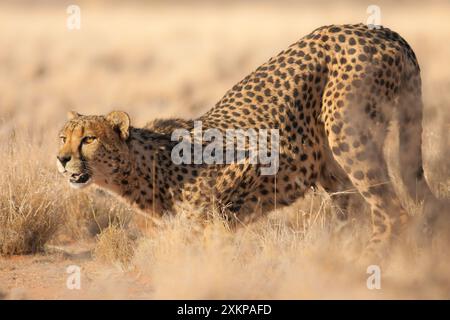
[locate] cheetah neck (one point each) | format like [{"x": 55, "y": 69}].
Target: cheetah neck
[{"x": 141, "y": 179}]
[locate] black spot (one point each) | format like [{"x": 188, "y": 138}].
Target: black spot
[
  {"x": 419, "y": 174},
  {"x": 336, "y": 129},
  {"x": 335, "y": 29},
  {"x": 336, "y": 151},
  {"x": 358, "y": 175},
  {"x": 356, "y": 83},
  {"x": 344, "y": 147}
]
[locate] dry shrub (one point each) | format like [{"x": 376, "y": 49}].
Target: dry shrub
[
  {"x": 30, "y": 212},
  {"x": 114, "y": 245},
  {"x": 88, "y": 212},
  {"x": 112, "y": 221}
]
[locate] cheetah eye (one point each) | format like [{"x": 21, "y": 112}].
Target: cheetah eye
[
  {"x": 88, "y": 140},
  {"x": 63, "y": 139}
]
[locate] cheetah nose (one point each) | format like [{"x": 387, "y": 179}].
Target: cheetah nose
[{"x": 64, "y": 160}]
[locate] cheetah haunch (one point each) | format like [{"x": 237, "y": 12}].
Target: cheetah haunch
[{"x": 332, "y": 96}]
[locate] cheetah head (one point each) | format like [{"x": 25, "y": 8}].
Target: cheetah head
[{"x": 92, "y": 147}]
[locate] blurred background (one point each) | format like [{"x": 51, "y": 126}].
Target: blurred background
[{"x": 177, "y": 58}]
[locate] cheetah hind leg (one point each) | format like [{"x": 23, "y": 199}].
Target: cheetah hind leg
[{"x": 368, "y": 172}]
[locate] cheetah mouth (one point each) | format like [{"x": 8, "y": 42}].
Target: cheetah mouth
[{"x": 80, "y": 180}]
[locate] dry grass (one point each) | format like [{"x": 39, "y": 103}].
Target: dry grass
[
  {"x": 87, "y": 214},
  {"x": 176, "y": 60},
  {"x": 114, "y": 246},
  {"x": 29, "y": 207},
  {"x": 273, "y": 259}
]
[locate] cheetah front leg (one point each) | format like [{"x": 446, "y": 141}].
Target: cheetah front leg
[{"x": 335, "y": 181}]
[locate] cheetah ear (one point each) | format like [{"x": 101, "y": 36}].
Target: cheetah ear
[
  {"x": 72, "y": 115},
  {"x": 121, "y": 123}
]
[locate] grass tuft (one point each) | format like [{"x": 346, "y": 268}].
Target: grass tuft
[
  {"x": 30, "y": 212},
  {"x": 114, "y": 246}
]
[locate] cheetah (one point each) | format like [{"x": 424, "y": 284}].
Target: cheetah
[{"x": 331, "y": 96}]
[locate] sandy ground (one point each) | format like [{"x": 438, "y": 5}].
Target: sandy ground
[{"x": 45, "y": 276}]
